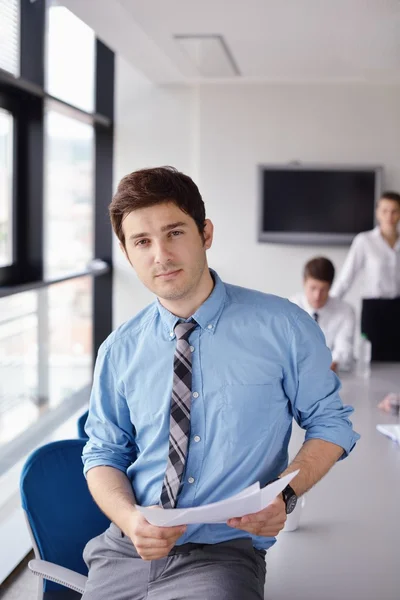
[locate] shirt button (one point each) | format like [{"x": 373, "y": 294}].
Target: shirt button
[
  {"x": 197, "y": 438},
  {"x": 191, "y": 480},
  {"x": 171, "y": 334},
  {"x": 209, "y": 326},
  {"x": 195, "y": 394},
  {"x": 191, "y": 348}
]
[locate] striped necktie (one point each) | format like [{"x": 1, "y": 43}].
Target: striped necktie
[
  {"x": 180, "y": 415},
  {"x": 315, "y": 317}
]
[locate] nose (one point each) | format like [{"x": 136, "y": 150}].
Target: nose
[{"x": 161, "y": 253}]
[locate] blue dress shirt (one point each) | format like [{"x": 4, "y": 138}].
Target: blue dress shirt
[{"x": 258, "y": 361}]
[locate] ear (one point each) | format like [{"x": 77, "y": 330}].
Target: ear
[{"x": 208, "y": 234}]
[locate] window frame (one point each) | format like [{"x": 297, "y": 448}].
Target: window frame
[
  {"x": 8, "y": 106},
  {"x": 25, "y": 97}
]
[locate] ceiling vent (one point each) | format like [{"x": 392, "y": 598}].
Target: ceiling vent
[{"x": 209, "y": 54}]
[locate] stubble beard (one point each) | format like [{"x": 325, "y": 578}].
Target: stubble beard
[{"x": 179, "y": 292}]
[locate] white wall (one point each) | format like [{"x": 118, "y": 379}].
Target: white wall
[
  {"x": 242, "y": 126},
  {"x": 220, "y": 133},
  {"x": 154, "y": 126}
]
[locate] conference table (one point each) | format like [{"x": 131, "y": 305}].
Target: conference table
[{"x": 347, "y": 546}]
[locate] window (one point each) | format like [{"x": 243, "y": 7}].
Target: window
[
  {"x": 70, "y": 56},
  {"x": 19, "y": 391},
  {"x": 9, "y": 36},
  {"x": 6, "y": 188},
  {"x": 68, "y": 214},
  {"x": 45, "y": 352},
  {"x": 70, "y": 338},
  {"x": 56, "y": 157}
]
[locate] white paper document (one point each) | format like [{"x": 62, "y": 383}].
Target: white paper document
[
  {"x": 248, "y": 501},
  {"x": 391, "y": 431}
]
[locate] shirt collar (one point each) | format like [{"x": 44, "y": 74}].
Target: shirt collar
[
  {"x": 377, "y": 233},
  {"x": 207, "y": 315}
]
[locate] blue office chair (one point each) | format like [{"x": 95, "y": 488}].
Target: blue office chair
[
  {"x": 81, "y": 425},
  {"x": 61, "y": 515}
]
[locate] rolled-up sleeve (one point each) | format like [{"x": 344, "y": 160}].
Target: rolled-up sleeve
[
  {"x": 109, "y": 428},
  {"x": 313, "y": 388}
]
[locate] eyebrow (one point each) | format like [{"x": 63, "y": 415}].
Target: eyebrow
[{"x": 135, "y": 236}]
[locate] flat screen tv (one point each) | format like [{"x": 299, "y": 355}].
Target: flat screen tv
[{"x": 316, "y": 204}]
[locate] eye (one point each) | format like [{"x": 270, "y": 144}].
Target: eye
[
  {"x": 142, "y": 243},
  {"x": 175, "y": 233}
]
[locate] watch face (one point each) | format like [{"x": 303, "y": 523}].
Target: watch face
[{"x": 291, "y": 503}]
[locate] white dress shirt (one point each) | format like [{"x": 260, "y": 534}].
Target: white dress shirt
[
  {"x": 380, "y": 264},
  {"x": 337, "y": 321}
]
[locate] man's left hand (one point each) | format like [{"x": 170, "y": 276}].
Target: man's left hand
[{"x": 267, "y": 522}]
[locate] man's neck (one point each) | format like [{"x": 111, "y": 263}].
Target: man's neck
[{"x": 186, "y": 307}]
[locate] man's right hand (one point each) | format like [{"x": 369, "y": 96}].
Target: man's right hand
[{"x": 150, "y": 541}]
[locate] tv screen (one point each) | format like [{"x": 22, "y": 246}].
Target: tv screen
[{"x": 317, "y": 205}]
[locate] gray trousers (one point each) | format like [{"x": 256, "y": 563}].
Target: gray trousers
[{"x": 232, "y": 570}]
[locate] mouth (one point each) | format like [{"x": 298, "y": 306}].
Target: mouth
[{"x": 169, "y": 275}]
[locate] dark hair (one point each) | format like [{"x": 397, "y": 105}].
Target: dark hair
[
  {"x": 148, "y": 187},
  {"x": 394, "y": 196},
  {"x": 320, "y": 268}
]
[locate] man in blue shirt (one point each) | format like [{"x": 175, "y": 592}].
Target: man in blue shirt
[{"x": 246, "y": 364}]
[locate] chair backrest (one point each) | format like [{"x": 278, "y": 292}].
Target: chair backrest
[
  {"x": 81, "y": 425},
  {"x": 60, "y": 510}
]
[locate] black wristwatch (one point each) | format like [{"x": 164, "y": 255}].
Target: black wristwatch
[{"x": 289, "y": 497}]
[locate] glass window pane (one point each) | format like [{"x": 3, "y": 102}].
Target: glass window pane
[
  {"x": 70, "y": 337},
  {"x": 45, "y": 352},
  {"x": 9, "y": 36},
  {"x": 70, "y": 58},
  {"x": 18, "y": 364},
  {"x": 6, "y": 188},
  {"x": 69, "y": 175}
]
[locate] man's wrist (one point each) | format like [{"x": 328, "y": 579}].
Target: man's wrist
[
  {"x": 126, "y": 519},
  {"x": 288, "y": 495}
]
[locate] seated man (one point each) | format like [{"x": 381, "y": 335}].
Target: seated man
[
  {"x": 335, "y": 317},
  {"x": 193, "y": 401}
]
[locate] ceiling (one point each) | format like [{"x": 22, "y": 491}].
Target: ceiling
[{"x": 270, "y": 40}]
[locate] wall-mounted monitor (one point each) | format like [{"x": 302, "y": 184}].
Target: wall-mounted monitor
[{"x": 316, "y": 204}]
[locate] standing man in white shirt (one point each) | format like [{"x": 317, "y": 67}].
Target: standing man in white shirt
[
  {"x": 376, "y": 256},
  {"x": 335, "y": 317}
]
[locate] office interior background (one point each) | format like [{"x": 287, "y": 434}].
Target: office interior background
[{"x": 93, "y": 89}]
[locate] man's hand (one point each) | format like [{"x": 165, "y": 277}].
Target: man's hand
[
  {"x": 150, "y": 541},
  {"x": 267, "y": 522},
  {"x": 390, "y": 403}
]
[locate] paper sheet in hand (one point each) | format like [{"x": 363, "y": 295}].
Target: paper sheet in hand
[
  {"x": 250, "y": 500},
  {"x": 392, "y": 431},
  {"x": 177, "y": 516}
]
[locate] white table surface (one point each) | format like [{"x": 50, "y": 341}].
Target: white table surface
[{"x": 348, "y": 543}]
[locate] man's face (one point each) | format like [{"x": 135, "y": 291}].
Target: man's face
[
  {"x": 316, "y": 291},
  {"x": 388, "y": 213},
  {"x": 165, "y": 248}
]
